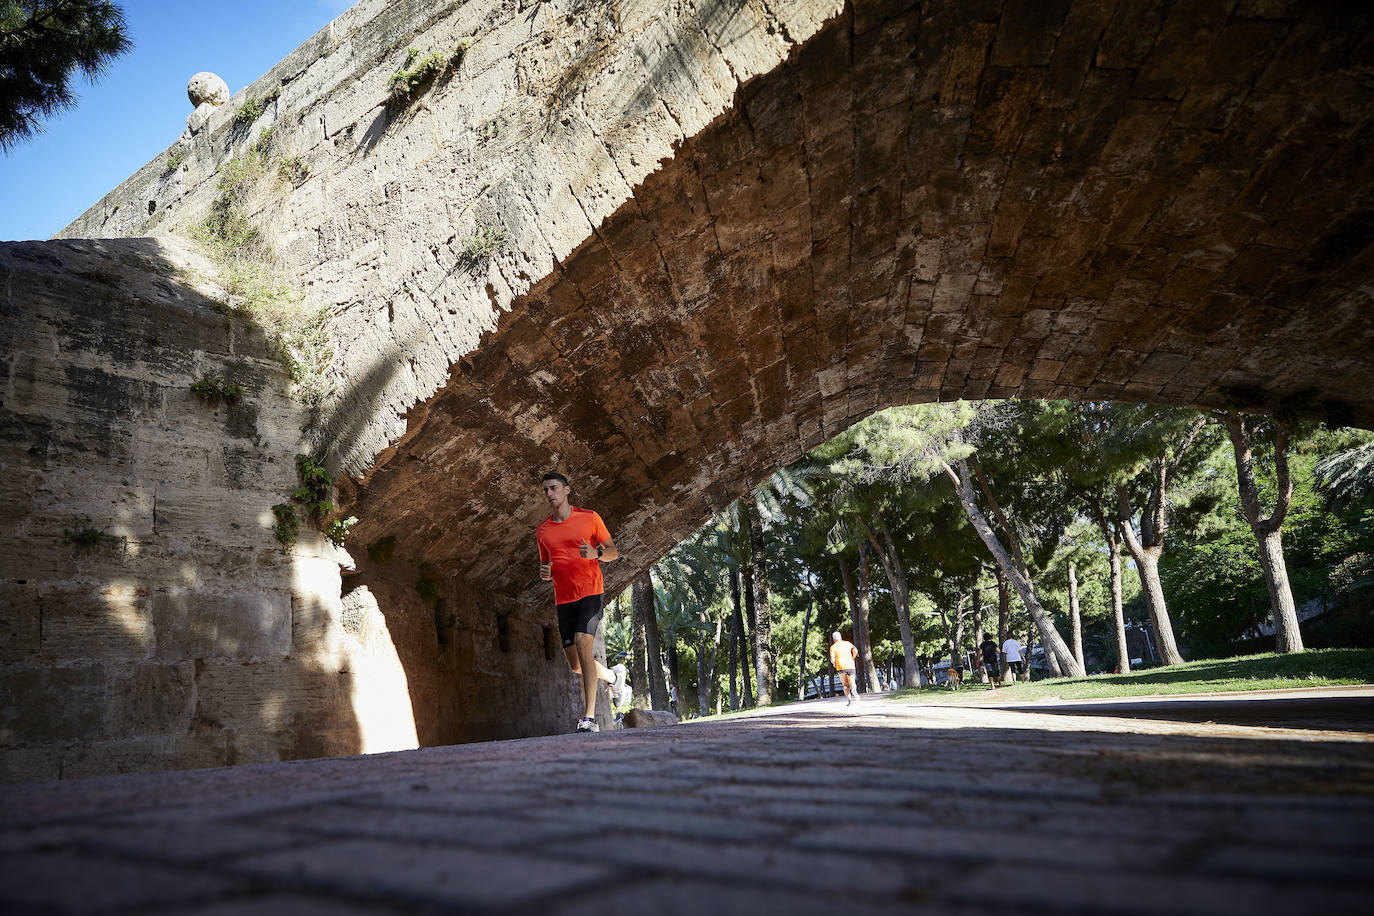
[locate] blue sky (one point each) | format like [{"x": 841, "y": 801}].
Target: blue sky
[{"x": 139, "y": 107}]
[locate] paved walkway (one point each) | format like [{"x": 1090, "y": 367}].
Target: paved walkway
[{"x": 808, "y": 809}]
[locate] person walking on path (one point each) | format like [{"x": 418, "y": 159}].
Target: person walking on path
[
  {"x": 573, "y": 543},
  {"x": 991, "y": 658},
  {"x": 1011, "y": 649},
  {"x": 842, "y": 656}
]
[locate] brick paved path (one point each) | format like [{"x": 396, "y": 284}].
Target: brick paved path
[{"x": 806, "y": 809}]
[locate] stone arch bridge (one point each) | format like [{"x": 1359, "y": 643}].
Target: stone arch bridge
[{"x": 728, "y": 229}]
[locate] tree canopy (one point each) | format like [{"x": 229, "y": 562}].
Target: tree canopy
[{"x": 43, "y": 44}]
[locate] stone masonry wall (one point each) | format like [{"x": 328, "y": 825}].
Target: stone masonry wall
[{"x": 177, "y": 632}]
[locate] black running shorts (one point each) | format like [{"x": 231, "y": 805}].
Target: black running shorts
[{"x": 580, "y": 616}]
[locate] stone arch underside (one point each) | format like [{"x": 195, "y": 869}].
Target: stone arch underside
[{"x": 925, "y": 202}]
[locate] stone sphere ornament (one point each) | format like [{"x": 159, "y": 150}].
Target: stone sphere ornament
[{"x": 206, "y": 87}]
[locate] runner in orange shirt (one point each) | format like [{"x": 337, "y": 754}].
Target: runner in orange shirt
[
  {"x": 573, "y": 543},
  {"x": 843, "y": 655}
]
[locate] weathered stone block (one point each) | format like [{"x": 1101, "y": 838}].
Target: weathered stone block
[
  {"x": 648, "y": 718},
  {"x": 42, "y": 705},
  {"x": 20, "y": 620},
  {"x": 153, "y": 700},
  {"x": 90, "y": 621},
  {"x": 242, "y": 624}
]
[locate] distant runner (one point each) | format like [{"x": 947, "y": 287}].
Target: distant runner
[
  {"x": 842, "y": 656},
  {"x": 988, "y": 650},
  {"x": 1012, "y": 650},
  {"x": 573, "y": 543}
]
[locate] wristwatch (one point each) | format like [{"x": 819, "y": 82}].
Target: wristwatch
[{"x": 599, "y": 551}]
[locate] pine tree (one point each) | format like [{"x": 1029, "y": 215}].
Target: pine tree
[{"x": 42, "y": 44}]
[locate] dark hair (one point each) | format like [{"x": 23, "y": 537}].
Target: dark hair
[{"x": 554, "y": 475}]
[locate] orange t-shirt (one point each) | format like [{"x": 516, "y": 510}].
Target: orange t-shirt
[
  {"x": 560, "y": 542},
  {"x": 842, "y": 655}
]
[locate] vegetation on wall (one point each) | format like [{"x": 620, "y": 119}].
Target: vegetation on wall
[
  {"x": 312, "y": 496},
  {"x": 419, "y": 73},
  {"x": 338, "y": 530},
  {"x": 213, "y": 388},
  {"x": 381, "y": 550},
  {"x": 426, "y": 583},
  {"x": 253, "y": 108},
  {"x": 88, "y": 537},
  {"x": 251, "y": 272},
  {"x": 479, "y": 248}
]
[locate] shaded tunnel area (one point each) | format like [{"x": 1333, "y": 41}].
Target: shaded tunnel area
[{"x": 925, "y": 202}]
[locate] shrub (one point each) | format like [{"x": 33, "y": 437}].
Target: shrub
[
  {"x": 418, "y": 73},
  {"x": 337, "y": 530},
  {"x": 213, "y": 388},
  {"x": 479, "y": 247},
  {"x": 253, "y": 108}
]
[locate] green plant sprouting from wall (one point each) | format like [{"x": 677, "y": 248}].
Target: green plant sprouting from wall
[
  {"x": 213, "y": 388},
  {"x": 419, "y": 73},
  {"x": 88, "y": 537},
  {"x": 313, "y": 493},
  {"x": 250, "y": 271},
  {"x": 426, "y": 583},
  {"x": 288, "y": 526},
  {"x": 337, "y": 531},
  {"x": 293, "y": 170},
  {"x": 312, "y": 496},
  {"x": 381, "y": 550},
  {"x": 479, "y": 248},
  {"x": 252, "y": 108},
  {"x": 174, "y": 161}
]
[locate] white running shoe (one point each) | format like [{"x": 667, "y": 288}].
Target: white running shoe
[{"x": 588, "y": 725}]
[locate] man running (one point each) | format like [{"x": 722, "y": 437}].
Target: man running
[
  {"x": 573, "y": 543},
  {"x": 842, "y": 656}
]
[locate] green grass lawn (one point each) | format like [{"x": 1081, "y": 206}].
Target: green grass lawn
[{"x": 1313, "y": 668}]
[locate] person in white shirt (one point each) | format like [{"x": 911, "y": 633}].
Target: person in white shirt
[{"x": 1011, "y": 650}]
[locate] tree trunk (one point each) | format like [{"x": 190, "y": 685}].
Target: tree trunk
[
  {"x": 762, "y": 620},
  {"x": 1123, "y": 652},
  {"x": 1075, "y": 618},
  {"x": 673, "y": 683},
  {"x": 1287, "y": 635},
  {"x": 734, "y": 655},
  {"x": 1146, "y": 550},
  {"x": 977, "y": 611},
  {"x": 706, "y": 673},
  {"x": 1268, "y": 531},
  {"x": 901, "y": 598},
  {"x": 1013, "y": 544},
  {"x": 1147, "y": 565},
  {"x": 1030, "y": 645},
  {"x": 864, "y": 669},
  {"x": 801, "y": 661},
  {"x": 1054, "y": 643},
  {"x": 858, "y": 608},
  {"x": 641, "y": 609},
  {"x": 1003, "y": 606},
  {"x": 653, "y": 650},
  {"x": 747, "y": 697}
]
